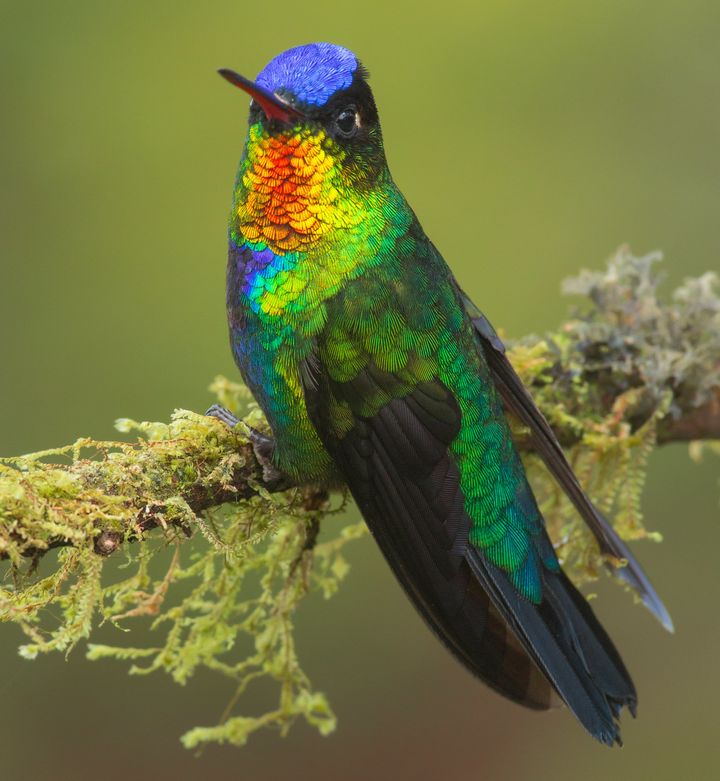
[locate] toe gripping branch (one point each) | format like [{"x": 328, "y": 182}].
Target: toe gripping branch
[{"x": 263, "y": 447}]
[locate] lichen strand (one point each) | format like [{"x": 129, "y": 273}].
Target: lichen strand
[
  {"x": 623, "y": 373},
  {"x": 612, "y": 380}
]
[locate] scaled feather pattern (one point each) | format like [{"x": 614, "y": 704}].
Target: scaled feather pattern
[{"x": 374, "y": 368}]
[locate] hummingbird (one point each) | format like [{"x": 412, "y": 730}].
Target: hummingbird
[{"x": 375, "y": 369}]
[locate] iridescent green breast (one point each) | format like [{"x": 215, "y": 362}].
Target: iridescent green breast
[{"x": 299, "y": 233}]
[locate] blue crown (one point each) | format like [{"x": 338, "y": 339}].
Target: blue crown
[{"x": 312, "y": 73}]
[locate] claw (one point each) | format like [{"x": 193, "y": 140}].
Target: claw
[
  {"x": 222, "y": 414},
  {"x": 264, "y": 448},
  {"x": 263, "y": 444}
]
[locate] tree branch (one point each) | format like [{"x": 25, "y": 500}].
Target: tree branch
[{"x": 622, "y": 358}]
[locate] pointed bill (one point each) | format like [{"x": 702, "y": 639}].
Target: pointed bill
[{"x": 273, "y": 106}]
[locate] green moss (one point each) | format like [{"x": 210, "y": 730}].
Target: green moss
[
  {"x": 243, "y": 577},
  {"x": 226, "y": 599}
]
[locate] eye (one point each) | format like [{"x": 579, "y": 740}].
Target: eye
[{"x": 347, "y": 122}]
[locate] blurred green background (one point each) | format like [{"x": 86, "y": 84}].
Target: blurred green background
[{"x": 532, "y": 139}]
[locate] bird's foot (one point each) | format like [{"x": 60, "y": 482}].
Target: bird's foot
[
  {"x": 223, "y": 415},
  {"x": 263, "y": 447}
]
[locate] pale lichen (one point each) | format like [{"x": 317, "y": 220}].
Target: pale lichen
[{"x": 626, "y": 372}]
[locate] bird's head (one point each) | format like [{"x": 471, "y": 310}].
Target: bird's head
[
  {"x": 314, "y": 152},
  {"x": 318, "y": 91}
]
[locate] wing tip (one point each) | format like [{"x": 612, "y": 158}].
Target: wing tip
[
  {"x": 633, "y": 575},
  {"x": 655, "y": 605}
]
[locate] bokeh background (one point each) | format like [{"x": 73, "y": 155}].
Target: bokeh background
[{"x": 532, "y": 139}]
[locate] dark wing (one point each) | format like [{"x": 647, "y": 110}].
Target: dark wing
[
  {"x": 518, "y": 399},
  {"x": 406, "y": 484}
]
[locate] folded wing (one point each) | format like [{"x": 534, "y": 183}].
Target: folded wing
[
  {"x": 520, "y": 402},
  {"x": 399, "y": 467}
]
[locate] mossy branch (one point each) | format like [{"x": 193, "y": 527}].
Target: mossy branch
[{"x": 625, "y": 373}]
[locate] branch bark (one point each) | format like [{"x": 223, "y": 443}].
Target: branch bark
[{"x": 700, "y": 423}]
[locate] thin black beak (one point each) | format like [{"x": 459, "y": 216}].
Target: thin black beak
[{"x": 273, "y": 106}]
